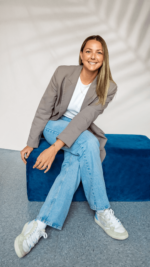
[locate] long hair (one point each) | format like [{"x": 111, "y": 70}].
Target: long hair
[{"x": 104, "y": 74}]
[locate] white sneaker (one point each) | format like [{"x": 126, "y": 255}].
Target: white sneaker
[
  {"x": 29, "y": 236},
  {"x": 110, "y": 224}
]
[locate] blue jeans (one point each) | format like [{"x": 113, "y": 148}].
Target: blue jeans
[{"x": 81, "y": 162}]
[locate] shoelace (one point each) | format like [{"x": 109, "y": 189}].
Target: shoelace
[
  {"x": 33, "y": 239},
  {"x": 114, "y": 220}
]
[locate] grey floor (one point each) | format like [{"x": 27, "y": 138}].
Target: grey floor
[{"x": 81, "y": 242}]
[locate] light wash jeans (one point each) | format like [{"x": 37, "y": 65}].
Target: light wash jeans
[{"x": 81, "y": 162}]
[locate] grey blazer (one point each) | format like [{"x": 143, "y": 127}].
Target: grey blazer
[{"x": 55, "y": 101}]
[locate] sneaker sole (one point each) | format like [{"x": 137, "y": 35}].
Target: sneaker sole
[
  {"x": 16, "y": 247},
  {"x": 119, "y": 238}
]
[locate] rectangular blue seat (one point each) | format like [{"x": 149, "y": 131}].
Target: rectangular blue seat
[{"x": 126, "y": 170}]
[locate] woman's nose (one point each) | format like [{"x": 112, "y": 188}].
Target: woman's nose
[{"x": 93, "y": 55}]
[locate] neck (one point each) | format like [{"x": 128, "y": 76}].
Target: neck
[{"x": 87, "y": 76}]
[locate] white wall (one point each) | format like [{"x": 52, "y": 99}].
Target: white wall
[{"x": 37, "y": 36}]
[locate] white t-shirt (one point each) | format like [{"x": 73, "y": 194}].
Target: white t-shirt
[{"x": 77, "y": 99}]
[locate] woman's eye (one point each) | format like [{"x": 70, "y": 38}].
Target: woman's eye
[{"x": 89, "y": 52}]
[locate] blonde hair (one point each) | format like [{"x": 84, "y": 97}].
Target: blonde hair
[{"x": 104, "y": 74}]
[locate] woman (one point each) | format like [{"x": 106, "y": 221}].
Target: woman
[{"x": 74, "y": 98}]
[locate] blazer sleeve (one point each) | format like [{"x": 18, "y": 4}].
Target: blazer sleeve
[
  {"x": 43, "y": 112},
  {"x": 83, "y": 120}
]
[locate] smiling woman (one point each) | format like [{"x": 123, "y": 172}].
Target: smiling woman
[
  {"x": 94, "y": 56},
  {"x": 65, "y": 115}
]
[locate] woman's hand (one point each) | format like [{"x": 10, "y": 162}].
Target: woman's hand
[
  {"x": 45, "y": 159},
  {"x": 27, "y": 150}
]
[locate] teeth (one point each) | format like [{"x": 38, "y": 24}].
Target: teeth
[{"x": 92, "y": 63}]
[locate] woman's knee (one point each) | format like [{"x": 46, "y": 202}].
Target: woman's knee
[
  {"x": 53, "y": 129},
  {"x": 56, "y": 126}
]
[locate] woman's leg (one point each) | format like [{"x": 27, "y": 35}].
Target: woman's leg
[
  {"x": 92, "y": 172},
  {"x": 56, "y": 206},
  {"x": 57, "y": 203},
  {"x": 83, "y": 156}
]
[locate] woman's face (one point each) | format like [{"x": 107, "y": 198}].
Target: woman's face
[{"x": 92, "y": 55}]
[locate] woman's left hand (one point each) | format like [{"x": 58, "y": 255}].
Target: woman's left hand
[{"x": 45, "y": 159}]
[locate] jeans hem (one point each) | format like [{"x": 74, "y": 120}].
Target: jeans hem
[
  {"x": 50, "y": 224},
  {"x": 99, "y": 208}
]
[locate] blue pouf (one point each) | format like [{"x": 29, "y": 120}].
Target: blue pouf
[{"x": 126, "y": 170}]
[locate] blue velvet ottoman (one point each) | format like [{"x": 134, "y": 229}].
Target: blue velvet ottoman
[{"x": 126, "y": 170}]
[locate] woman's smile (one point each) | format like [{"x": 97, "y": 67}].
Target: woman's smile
[
  {"x": 92, "y": 55},
  {"x": 92, "y": 63}
]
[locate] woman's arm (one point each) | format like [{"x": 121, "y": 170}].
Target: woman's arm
[
  {"x": 84, "y": 118},
  {"x": 43, "y": 112},
  {"x": 58, "y": 145}
]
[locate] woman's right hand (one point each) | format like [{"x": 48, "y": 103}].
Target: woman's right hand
[{"x": 27, "y": 150}]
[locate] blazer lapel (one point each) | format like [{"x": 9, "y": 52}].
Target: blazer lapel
[
  {"x": 90, "y": 95},
  {"x": 69, "y": 87}
]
